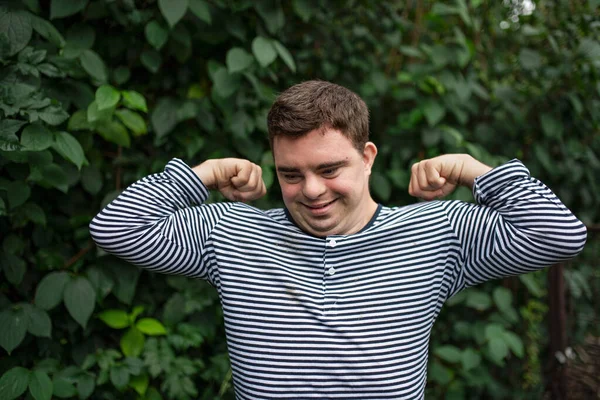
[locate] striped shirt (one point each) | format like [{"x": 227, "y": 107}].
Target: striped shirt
[{"x": 345, "y": 316}]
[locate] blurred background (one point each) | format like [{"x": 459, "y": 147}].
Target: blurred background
[{"x": 95, "y": 94}]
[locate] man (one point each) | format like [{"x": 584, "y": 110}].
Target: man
[{"x": 335, "y": 296}]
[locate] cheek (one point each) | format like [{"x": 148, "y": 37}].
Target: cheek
[{"x": 289, "y": 192}]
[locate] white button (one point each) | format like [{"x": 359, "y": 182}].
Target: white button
[
  {"x": 331, "y": 271},
  {"x": 332, "y": 243}
]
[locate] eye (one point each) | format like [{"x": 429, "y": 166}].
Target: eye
[
  {"x": 291, "y": 178},
  {"x": 330, "y": 172}
]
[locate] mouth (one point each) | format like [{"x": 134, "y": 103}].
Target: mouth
[{"x": 319, "y": 209}]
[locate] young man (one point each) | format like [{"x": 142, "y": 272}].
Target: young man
[{"x": 335, "y": 296}]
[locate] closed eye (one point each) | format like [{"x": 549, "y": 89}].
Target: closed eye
[
  {"x": 329, "y": 172},
  {"x": 291, "y": 178}
]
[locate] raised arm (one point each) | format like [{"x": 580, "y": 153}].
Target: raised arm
[
  {"x": 518, "y": 225},
  {"x": 160, "y": 222}
]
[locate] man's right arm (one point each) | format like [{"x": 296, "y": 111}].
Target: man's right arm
[{"x": 159, "y": 222}]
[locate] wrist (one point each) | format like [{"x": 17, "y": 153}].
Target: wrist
[
  {"x": 205, "y": 171},
  {"x": 471, "y": 170}
]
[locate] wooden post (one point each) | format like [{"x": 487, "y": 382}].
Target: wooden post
[{"x": 557, "y": 314}]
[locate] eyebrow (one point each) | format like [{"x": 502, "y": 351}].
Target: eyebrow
[{"x": 335, "y": 164}]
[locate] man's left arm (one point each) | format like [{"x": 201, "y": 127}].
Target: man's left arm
[{"x": 518, "y": 224}]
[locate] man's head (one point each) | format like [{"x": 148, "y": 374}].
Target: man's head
[
  {"x": 319, "y": 105},
  {"x": 319, "y": 133}
]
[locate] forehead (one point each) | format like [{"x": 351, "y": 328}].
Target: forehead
[{"x": 316, "y": 147}]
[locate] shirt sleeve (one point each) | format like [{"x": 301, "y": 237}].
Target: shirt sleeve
[
  {"x": 160, "y": 222},
  {"x": 518, "y": 226}
]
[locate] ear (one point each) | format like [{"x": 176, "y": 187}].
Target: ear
[{"x": 369, "y": 154}]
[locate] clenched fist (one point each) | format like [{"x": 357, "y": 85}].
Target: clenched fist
[
  {"x": 437, "y": 177},
  {"x": 236, "y": 179}
]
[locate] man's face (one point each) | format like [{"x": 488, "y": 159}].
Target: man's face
[{"x": 324, "y": 180}]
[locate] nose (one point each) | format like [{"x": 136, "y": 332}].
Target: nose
[{"x": 314, "y": 187}]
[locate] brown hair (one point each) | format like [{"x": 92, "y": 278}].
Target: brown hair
[{"x": 318, "y": 104}]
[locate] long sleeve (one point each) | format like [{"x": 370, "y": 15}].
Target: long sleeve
[
  {"x": 160, "y": 223},
  {"x": 518, "y": 226}
]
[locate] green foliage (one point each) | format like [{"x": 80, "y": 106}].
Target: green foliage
[{"x": 95, "y": 94}]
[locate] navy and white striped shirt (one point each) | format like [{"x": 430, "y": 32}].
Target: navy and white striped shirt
[{"x": 346, "y": 316}]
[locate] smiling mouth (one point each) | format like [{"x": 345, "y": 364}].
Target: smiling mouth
[{"x": 319, "y": 206}]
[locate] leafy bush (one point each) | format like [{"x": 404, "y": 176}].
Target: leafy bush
[{"x": 95, "y": 94}]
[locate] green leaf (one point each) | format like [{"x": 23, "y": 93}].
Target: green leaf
[
  {"x": 164, "y": 116},
  {"x": 80, "y": 299},
  {"x": 40, "y": 386},
  {"x": 15, "y": 27},
  {"x": 449, "y": 353},
  {"x": 152, "y": 60},
  {"x": 94, "y": 114},
  {"x": 264, "y": 51},
  {"x": 381, "y": 186},
  {"x": 133, "y": 121},
  {"x": 14, "y": 327},
  {"x": 470, "y": 359},
  {"x": 39, "y": 323},
  {"x": 153, "y": 394},
  {"x": 36, "y": 137},
  {"x": 514, "y": 342},
  {"x": 137, "y": 310},
  {"x": 151, "y": 326},
  {"x": 134, "y": 100},
  {"x": 53, "y": 115},
  {"x": 14, "y": 268},
  {"x": 225, "y": 84},
  {"x": 201, "y": 10},
  {"x": 66, "y": 8},
  {"x": 121, "y": 75},
  {"x": 238, "y": 60},
  {"x": 78, "y": 122},
  {"x": 55, "y": 175},
  {"x": 107, "y": 97},
  {"x": 46, "y": 30},
  {"x": 303, "y": 9},
  {"x": 49, "y": 292},
  {"x": 502, "y": 298},
  {"x": 498, "y": 350},
  {"x": 551, "y": 126},
  {"x": 173, "y": 10},
  {"x": 91, "y": 179},
  {"x": 14, "y": 383},
  {"x": 589, "y": 48},
  {"x": 93, "y": 65},
  {"x": 119, "y": 376},
  {"x": 85, "y": 386},
  {"x": 156, "y": 35},
  {"x": 114, "y": 131},
  {"x": 34, "y": 213},
  {"x": 69, "y": 148},
  {"x": 17, "y": 192},
  {"x": 271, "y": 14},
  {"x": 62, "y": 387},
  {"x": 532, "y": 285},
  {"x": 174, "y": 311},
  {"x": 530, "y": 59},
  {"x": 285, "y": 55},
  {"x": 8, "y": 139},
  {"x": 116, "y": 319},
  {"x": 478, "y": 300},
  {"x": 440, "y": 374},
  {"x": 132, "y": 342},
  {"x": 493, "y": 331},
  {"x": 139, "y": 383},
  {"x": 2, "y": 208},
  {"x": 434, "y": 112}
]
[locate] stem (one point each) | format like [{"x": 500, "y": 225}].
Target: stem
[{"x": 77, "y": 256}]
